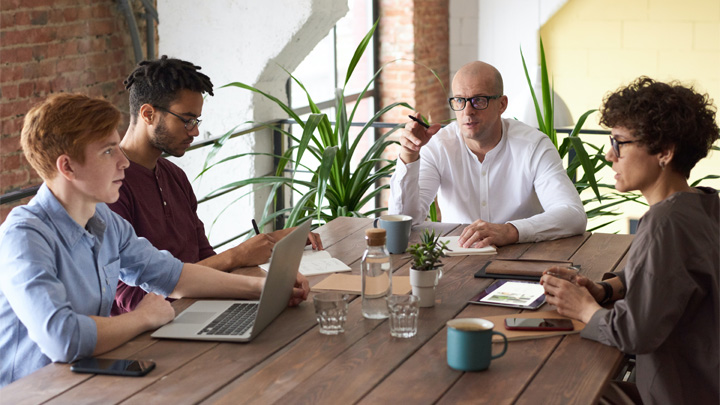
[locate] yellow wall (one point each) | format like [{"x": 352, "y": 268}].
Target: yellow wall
[{"x": 595, "y": 46}]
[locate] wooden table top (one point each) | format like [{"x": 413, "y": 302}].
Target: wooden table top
[{"x": 290, "y": 362}]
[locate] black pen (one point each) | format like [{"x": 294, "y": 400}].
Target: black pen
[
  {"x": 419, "y": 121},
  {"x": 257, "y": 230}
]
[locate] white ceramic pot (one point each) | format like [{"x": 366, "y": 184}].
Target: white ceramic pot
[{"x": 423, "y": 284}]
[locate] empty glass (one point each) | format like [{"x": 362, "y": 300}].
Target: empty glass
[
  {"x": 403, "y": 315},
  {"x": 331, "y": 311}
]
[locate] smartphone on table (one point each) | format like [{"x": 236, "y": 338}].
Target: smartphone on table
[
  {"x": 539, "y": 324},
  {"x": 97, "y": 365}
]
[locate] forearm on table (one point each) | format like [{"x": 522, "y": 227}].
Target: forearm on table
[
  {"x": 114, "y": 331},
  {"x": 198, "y": 281},
  {"x": 555, "y": 223}
]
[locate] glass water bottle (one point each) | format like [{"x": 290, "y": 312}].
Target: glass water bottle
[{"x": 376, "y": 275}]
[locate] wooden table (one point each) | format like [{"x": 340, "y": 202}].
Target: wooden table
[{"x": 290, "y": 362}]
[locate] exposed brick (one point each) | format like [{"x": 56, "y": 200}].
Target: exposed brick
[
  {"x": 14, "y": 179},
  {"x": 71, "y": 14},
  {"x": 9, "y": 144},
  {"x": 101, "y": 27},
  {"x": 11, "y": 126},
  {"x": 9, "y": 5},
  {"x": 26, "y": 89},
  {"x": 39, "y": 17},
  {"x": 10, "y": 162},
  {"x": 9, "y": 91},
  {"x": 10, "y": 73}
]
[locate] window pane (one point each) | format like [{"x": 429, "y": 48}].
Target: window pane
[{"x": 350, "y": 31}]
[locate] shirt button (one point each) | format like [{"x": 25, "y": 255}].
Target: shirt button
[
  {"x": 103, "y": 289},
  {"x": 161, "y": 189},
  {"x": 164, "y": 203},
  {"x": 484, "y": 203},
  {"x": 484, "y": 172}
]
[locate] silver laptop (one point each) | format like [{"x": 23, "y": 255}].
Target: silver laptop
[{"x": 241, "y": 321}]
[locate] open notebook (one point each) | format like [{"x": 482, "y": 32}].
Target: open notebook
[{"x": 317, "y": 262}]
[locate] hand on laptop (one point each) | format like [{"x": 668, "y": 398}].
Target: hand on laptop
[{"x": 300, "y": 291}]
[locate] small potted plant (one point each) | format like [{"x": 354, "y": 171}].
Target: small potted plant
[{"x": 425, "y": 269}]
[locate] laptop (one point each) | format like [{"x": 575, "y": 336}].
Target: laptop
[{"x": 240, "y": 320}]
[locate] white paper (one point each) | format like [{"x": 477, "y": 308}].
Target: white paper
[
  {"x": 460, "y": 251},
  {"x": 316, "y": 262}
]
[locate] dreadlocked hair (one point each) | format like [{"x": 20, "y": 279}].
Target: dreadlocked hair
[{"x": 157, "y": 82}]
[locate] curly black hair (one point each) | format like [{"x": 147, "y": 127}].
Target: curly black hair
[
  {"x": 664, "y": 116},
  {"x": 157, "y": 82}
]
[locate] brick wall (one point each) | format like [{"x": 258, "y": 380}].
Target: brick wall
[
  {"x": 414, "y": 30},
  {"x": 50, "y": 46}
]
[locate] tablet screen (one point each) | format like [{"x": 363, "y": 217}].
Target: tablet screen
[{"x": 512, "y": 293}]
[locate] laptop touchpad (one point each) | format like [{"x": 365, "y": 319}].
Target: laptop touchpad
[{"x": 194, "y": 317}]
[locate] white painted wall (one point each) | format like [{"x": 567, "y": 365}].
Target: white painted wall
[
  {"x": 500, "y": 28},
  {"x": 240, "y": 40}
]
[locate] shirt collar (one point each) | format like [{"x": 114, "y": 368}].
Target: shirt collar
[{"x": 68, "y": 230}]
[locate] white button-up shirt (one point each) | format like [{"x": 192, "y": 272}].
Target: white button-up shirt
[{"x": 521, "y": 182}]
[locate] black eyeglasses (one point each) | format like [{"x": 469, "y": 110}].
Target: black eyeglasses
[
  {"x": 190, "y": 123},
  {"x": 616, "y": 145},
  {"x": 477, "y": 102}
]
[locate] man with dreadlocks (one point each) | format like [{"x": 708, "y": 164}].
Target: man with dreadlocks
[{"x": 166, "y": 100}]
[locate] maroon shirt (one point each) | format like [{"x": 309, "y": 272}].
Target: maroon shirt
[{"x": 161, "y": 206}]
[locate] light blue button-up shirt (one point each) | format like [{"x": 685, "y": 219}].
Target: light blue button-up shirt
[{"x": 54, "y": 274}]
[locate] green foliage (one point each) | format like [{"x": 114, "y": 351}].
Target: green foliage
[
  {"x": 426, "y": 255},
  {"x": 325, "y": 151},
  {"x": 590, "y": 163}
]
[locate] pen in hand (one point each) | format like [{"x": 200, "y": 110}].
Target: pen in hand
[
  {"x": 255, "y": 226},
  {"x": 419, "y": 121}
]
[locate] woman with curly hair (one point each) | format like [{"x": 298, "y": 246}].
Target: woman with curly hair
[{"x": 666, "y": 298}]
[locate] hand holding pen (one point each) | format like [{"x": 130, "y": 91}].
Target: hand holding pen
[{"x": 414, "y": 136}]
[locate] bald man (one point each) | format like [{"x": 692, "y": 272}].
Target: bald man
[{"x": 501, "y": 176}]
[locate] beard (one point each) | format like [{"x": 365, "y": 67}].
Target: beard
[{"x": 163, "y": 140}]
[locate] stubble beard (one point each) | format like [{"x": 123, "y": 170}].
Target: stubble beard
[{"x": 162, "y": 140}]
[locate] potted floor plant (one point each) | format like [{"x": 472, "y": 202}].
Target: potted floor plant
[{"x": 425, "y": 269}]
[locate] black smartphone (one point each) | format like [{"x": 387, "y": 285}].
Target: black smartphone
[
  {"x": 96, "y": 365},
  {"x": 538, "y": 324}
]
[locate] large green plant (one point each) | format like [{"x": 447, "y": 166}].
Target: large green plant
[
  {"x": 604, "y": 204},
  {"x": 335, "y": 188}
]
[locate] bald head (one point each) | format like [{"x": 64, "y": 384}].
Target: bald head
[{"x": 482, "y": 72}]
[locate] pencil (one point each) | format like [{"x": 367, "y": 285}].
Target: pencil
[{"x": 257, "y": 230}]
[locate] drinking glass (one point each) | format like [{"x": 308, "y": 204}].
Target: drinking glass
[
  {"x": 331, "y": 311},
  {"x": 403, "y": 315}
]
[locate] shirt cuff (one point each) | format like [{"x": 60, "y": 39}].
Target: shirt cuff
[
  {"x": 88, "y": 336},
  {"x": 592, "y": 329},
  {"x": 524, "y": 230}
]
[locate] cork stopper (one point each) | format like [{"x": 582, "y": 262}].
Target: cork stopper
[{"x": 375, "y": 236}]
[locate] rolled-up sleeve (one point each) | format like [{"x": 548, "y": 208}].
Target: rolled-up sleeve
[{"x": 39, "y": 298}]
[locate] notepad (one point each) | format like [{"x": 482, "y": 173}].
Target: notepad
[
  {"x": 317, "y": 262},
  {"x": 456, "y": 250},
  {"x": 352, "y": 284}
]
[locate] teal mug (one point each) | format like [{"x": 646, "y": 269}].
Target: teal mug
[
  {"x": 398, "y": 229},
  {"x": 469, "y": 344}
]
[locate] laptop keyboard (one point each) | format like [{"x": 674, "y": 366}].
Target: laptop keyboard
[{"x": 235, "y": 321}]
